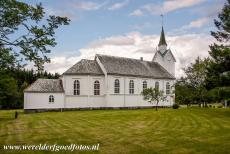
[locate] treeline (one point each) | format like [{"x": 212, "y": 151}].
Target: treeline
[
  {"x": 14, "y": 81},
  {"x": 208, "y": 80}
]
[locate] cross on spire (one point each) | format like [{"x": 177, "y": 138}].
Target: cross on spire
[{"x": 162, "y": 20}]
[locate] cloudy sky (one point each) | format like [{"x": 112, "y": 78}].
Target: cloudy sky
[{"x": 131, "y": 28}]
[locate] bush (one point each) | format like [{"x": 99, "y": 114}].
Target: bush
[
  {"x": 175, "y": 106},
  {"x": 210, "y": 106},
  {"x": 220, "y": 106}
]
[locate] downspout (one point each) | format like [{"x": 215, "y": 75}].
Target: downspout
[
  {"x": 64, "y": 86},
  {"x": 88, "y": 90}
]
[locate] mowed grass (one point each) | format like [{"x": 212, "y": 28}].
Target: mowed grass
[{"x": 184, "y": 130}]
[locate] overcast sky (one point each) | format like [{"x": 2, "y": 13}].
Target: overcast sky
[{"x": 131, "y": 28}]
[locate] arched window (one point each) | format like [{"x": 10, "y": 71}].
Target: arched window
[
  {"x": 51, "y": 99},
  {"x": 116, "y": 86},
  {"x": 167, "y": 88},
  {"x": 157, "y": 85},
  {"x": 131, "y": 87},
  {"x": 76, "y": 87},
  {"x": 144, "y": 85},
  {"x": 96, "y": 87}
]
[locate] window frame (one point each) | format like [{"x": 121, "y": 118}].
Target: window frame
[
  {"x": 131, "y": 87},
  {"x": 51, "y": 99},
  {"x": 116, "y": 86},
  {"x": 76, "y": 87},
  {"x": 157, "y": 85},
  {"x": 167, "y": 88},
  {"x": 96, "y": 88},
  {"x": 144, "y": 85}
]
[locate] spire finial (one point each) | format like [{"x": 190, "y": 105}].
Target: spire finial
[{"x": 162, "y": 20}]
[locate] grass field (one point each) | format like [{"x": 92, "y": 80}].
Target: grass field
[{"x": 185, "y": 130}]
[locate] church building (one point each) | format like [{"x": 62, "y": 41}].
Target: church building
[{"x": 106, "y": 82}]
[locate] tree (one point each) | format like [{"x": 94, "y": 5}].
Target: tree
[
  {"x": 225, "y": 94},
  {"x": 153, "y": 94},
  {"x": 8, "y": 92},
  {"x": 219, "y": 71},
  {"x": 184, "y": 92},
  {"x": 195, "y": 78},
  {"x": 37, "y": 33}
]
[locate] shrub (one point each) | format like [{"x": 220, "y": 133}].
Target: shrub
[
  {"x": 175, "y": 106},
  {"x": 210, "y": 106},
  {"x": 220, "y": 106}
]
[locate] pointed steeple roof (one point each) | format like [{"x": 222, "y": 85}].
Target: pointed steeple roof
[{"x": 162, "y": 38}]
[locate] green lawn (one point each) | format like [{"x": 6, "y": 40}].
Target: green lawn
[{"x": 184, "y": 130}]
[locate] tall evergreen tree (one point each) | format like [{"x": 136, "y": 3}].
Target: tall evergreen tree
[{"x": 219, "y": 69}]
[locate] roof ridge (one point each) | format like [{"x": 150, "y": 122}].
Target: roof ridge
[
  {"x": 122, "y": 57},
  {"x": 46, "y": 79}
]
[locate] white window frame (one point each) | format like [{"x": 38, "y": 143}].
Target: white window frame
[
  {"x": 131, "y": 87},
  {"x": 116, "y": 86},
  {"x": 96, "y": 87}
]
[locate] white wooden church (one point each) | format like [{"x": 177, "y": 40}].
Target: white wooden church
[{"x": 106, "y": 82}]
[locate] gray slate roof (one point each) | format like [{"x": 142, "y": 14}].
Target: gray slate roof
[
  {"x": 84, "y": 67},
  {"x": 46, "y": 86},
  {"x": 133, "y": 67}
]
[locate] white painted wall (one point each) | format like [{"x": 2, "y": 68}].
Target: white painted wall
[
  {"x": 124, "y": 99},
  {"x": 41, "y": 100},
  {"x": 86, "y": 84},
  {"x": 86, "y": 99}
]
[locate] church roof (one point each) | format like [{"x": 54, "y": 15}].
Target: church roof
[
  {"x": 46, "y": 85},
  {"x": 162, "y": 38},
  {"x": 133, "y": 67},
  {"x": 84, "y": 67}
]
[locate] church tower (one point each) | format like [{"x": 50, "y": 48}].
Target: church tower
[{"x": 164, "y": 56}]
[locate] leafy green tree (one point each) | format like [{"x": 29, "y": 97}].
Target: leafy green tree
[
  {"x": 25, "y": 33},
  {"x": 224, "y": 94},
  {"x": 195, "y": 78},
  {"x": 184, "y": 92},
  {"x": 213, "y": 95},
  {"x": 153, "y": 95},
  {"x": 219, "y": 71}
]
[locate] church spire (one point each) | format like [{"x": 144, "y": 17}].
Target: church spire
[{"x": 162, "y": 38}]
